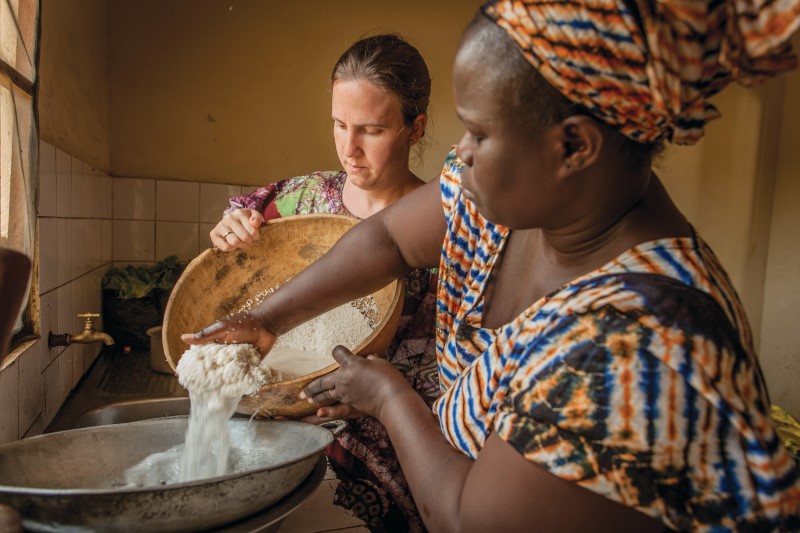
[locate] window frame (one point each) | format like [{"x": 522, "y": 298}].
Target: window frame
[{"x": 20, "y": 28}]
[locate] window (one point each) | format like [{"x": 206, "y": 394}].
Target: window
[{"x": 18, "y": 134}]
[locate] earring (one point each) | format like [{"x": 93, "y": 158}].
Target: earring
[{"x": 410, "y": 142}]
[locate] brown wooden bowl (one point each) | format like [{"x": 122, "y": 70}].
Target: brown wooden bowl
[{"x": 216, "y": 284}]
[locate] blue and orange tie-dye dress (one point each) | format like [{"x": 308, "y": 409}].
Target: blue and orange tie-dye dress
[{"x": 638, "y": 381}]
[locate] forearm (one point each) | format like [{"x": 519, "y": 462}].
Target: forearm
[
  {"x": 350, "y": 269},
  {"x": 406, "y": 235},
  {"x": 436, "y": 472}
]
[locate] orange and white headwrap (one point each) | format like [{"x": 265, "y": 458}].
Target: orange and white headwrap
[{"x": 651, "y": 85}]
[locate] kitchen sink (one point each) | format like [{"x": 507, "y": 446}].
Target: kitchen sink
[{"x": 134, "y": 410}]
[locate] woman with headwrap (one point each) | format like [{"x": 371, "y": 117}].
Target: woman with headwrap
[{"x": 596, "y": 365}]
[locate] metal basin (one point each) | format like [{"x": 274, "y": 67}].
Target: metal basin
[
  {"x": 134, "y": 410},
  {"x": 73, "y": 480}
]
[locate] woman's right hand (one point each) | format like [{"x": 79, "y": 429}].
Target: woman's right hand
[
  {"x": 239, "y": 328},
  {"x": 237, "y": 229}
]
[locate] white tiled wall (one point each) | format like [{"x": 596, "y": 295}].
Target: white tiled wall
[
  {"x": 153, "y": 219},
  {"x": 88, "y": 220}
]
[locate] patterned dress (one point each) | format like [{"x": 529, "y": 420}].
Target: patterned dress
[
  {"x": 372, "y": 484},
  {"x": 638, "y": 381}
]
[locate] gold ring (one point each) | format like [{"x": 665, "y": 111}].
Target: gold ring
[{"x": 224, "y": 236}]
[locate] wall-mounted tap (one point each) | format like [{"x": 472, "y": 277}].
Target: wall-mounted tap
[{"x": 88, "y": 336}]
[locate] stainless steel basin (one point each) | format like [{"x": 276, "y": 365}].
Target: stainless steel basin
[
  {"x": 133, "y": 411},
  {"x": 75, "y": 480}
]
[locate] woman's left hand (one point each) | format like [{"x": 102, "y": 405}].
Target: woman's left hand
[{"x": 366, "y": 383}]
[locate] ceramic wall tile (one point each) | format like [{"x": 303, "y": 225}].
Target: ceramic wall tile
[
  {"x": 52, "y": 392},
  {"x": 106, "y": 238},
  {"x": 78, "y": 353},
  {"x": 37, "y": 428},
  {"x": 93, "y": 238},
  {"x": 105, "y": 194},
  {"x": 78, "y": 246},
  {"x": 64, "y": 269},
  {"x": 48, "y": 183},
  {"x": 48, "y": 254},
  {"x": 99, "y": 185},
  {"x": 214, "y": 199},
  {"x": 9, "y": 403},
  {"x": 31, "y": 395},
  {"x": 65, "y": 382},
  {"x": 178, "y": 201},
  {"x": 123, "y": 264},
  {"x": 204, "y": 240},
  {"x": 78, "y": 189},
  {"x": 133, "y": 240},
  {"x": 176, "y": 238},
  {"x": 65, "y": 312},
  {"x": 78, "y": 305},
  {"x": 133, "y": 199},
  {"x": 48, "y": 323},
  {"x": 64, "y": 184},
  {"x": 93, "y": 195},
  {"x": 90, "y": 353},
  {"x": 94, "y": 290}
]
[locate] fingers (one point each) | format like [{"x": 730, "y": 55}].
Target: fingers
[
  {"x": 342, "y": 355},
  {"x": 255, "y": 220},
  {"x": 207, "y": 334},
  {"x": 218, "y": 237},
  {"x": 320, "y": 390},
  {"x": 338, "y": 411},
  {"x": 233, "y": 329},
  {"x": 237, "y": 229}
]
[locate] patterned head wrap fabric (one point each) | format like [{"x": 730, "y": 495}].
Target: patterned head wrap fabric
[{"x": 652, "y": 84}]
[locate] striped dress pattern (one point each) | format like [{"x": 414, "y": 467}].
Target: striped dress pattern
[
  {"x": 650, "y": 74},
  {"x": 638, "y": 381}
]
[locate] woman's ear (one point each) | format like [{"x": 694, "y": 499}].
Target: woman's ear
[
  {"x": 582, "y": 141},
  {"x": 418, "y": 128}
]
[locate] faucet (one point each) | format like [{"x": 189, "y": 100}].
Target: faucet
[{"x": 88, "y": 336}]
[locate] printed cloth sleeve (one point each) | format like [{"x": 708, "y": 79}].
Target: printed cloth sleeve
[
  {"x": 450, "y": 181},
  {"x": 620, "y": 403},
  {"x": 260, "y": 200}
]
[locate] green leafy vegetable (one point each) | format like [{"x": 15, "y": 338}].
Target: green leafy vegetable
[{"x": 139, "y": 281}]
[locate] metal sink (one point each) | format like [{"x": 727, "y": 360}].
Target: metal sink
[
  {"x": 111, "y": 389},
  {"x": 133, "y": 411}
]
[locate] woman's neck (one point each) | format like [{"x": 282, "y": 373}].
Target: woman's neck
[
  {"x": 596, "y": 240},
  {"x": 364, "y": 203}
]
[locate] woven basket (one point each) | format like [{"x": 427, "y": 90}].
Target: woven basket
[{"x": 216, "y": 284}]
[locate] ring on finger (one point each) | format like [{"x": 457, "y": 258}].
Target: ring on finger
[{"x": 226, "y": 235}]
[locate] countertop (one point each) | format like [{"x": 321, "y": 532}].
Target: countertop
[{"x": 116, "y": 377}]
